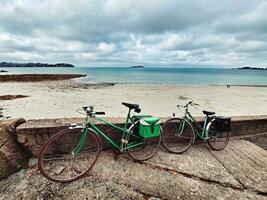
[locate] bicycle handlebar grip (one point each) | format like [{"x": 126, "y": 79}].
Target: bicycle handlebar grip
[
  {"x": 100, "y": 113},
  {"x": 85, "y": 108}
]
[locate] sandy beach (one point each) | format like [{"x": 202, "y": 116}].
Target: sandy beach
[{"x": 57, "y": 99}]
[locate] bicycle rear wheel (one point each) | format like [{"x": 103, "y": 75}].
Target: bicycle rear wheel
[
  {"x": 145, "y": 151},
  {"x": 178, "y": 135},
  {"x": 57, "y": 160},
  {"x": 217, "y": 140}
]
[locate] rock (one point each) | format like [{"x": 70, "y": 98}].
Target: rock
[
  {"x": 12, "y": 156},
  {"x": 32, "y": 163},
  {"x": 37, "y": 77},
  {"x": 137, "y": 66},
  {"x": 11, "y": 97}
]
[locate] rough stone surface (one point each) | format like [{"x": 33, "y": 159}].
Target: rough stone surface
[
  {"x": 259, "y": 139},
  {"x": 12, "y": 155},
  {"x": 247, "y": 163},
  {"x": 158, "y": 178},
  {"x": 197, "y": 162}
]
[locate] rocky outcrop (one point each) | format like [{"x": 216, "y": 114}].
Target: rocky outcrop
[
  {"x": 11, "y": 97},
  {"x": 253, "y": 68},
  {"x": 12, "y": 155},
  {"x": 37, "y": 77},
  {"x": 137, "y": 66}
]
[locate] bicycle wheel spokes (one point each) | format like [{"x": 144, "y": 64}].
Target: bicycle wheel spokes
[
  {"x": 177, "y": 135},
  {"x": 58, "y": 160},
  {"x": 217, "y": 140},
  {"x": 146, "y": 147}
]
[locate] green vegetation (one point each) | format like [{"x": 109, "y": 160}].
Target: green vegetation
[
  {"x": 9, "y": 64},
  {"x": 253, "y": 68}
]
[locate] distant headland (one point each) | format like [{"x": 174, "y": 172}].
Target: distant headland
[
  {"x": 253, "y": 68},
  {"x": 137, "y": 66},
  {"x": 9, "y": 64}
]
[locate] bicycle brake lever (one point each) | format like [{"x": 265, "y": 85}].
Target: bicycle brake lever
[
  {"x": 195, "y": 107},
  {"x": 84, "y": 108}
]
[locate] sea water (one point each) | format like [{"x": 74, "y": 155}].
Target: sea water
[{"x": 156, "y": 75}]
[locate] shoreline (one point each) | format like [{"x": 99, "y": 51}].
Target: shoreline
[{"x": 61, "y": 77}]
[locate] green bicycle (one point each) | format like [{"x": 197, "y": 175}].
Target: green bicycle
[
  {"x": 179, "y": 133},
  {"x": 72, "y": 152}
]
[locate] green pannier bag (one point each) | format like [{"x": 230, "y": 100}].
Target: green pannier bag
[{"x": 149, "y": 127}]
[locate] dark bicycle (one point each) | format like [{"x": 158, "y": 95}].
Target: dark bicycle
[{"x": 179, "y": 133}]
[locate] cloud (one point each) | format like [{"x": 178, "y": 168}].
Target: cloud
[{"x": 115, "y": 32}]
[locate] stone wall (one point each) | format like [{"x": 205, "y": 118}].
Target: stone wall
[
  {"x": 33, "y": 133},
  {"x": 12, "y": 155}
]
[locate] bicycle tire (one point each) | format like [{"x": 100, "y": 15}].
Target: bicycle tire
[
  {"x": 174, "y": 142},
  {"x": 143, "y": 152},
  {"x": 56, "y": 167},
  {"x": 215, "y": 135}
]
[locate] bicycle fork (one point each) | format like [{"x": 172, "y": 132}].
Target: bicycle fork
[{"x": 80, "y": 145}]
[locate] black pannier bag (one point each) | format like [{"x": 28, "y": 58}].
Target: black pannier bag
[{"x": 223, "y": 124}]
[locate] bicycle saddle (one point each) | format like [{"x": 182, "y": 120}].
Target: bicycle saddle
[
  {"x": 130, "y": 105},
  {"x": 208, "y": 112}
]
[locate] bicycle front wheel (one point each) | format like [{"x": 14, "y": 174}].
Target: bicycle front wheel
[
  {"x": 178, "y": 135},
  {"x": 146, "y": 147},
  {"x": 59, "y": 160},
  {"x": 217, "y": 139}
]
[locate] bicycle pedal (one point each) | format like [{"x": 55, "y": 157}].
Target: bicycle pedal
[{"x": 72, "y": 153}]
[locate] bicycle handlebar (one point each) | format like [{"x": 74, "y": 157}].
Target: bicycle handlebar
[
  {"x": 99, "y": 113},
  {"x": 191, "y": 103},
  {"x": 89, "y": 110}
]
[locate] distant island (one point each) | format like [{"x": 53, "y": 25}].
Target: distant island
[
  {"x": 9, "y": 64},
  {"x": 253, "y": 68},
  {"x": 137, "y": 66}
]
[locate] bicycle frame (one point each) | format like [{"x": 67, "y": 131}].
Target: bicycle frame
[
  {"x": 124, "y": 145},
  {"x": 195, "y": 125}
]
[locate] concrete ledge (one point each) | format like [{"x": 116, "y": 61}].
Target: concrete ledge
[{"x": 33, "y": 133}]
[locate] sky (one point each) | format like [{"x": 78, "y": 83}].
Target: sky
[{"x": 225, "y": 33}]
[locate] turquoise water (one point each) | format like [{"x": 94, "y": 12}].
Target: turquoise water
[{"x": 185, "y": 76}]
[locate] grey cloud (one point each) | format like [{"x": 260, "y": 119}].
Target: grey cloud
[{"x": 116, "y": 32}]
